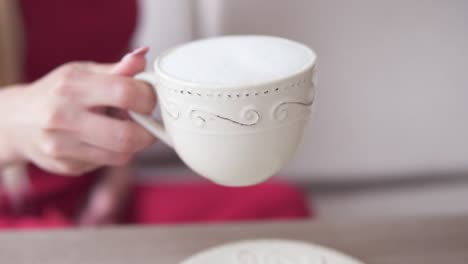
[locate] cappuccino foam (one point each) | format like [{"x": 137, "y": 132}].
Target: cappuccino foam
[{"x": 236, "y": 60}]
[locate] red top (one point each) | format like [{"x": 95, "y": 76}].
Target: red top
[
  {"x": 57, "y": 32},
  {"x": 60, "y": 31}
]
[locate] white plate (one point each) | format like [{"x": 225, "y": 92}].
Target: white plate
[{"x": 270, "y": 252}]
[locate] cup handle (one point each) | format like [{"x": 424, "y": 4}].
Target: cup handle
[{"x": 154, "y": 127}]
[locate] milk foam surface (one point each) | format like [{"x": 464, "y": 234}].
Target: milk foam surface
[{"x": 236, "y": 60}]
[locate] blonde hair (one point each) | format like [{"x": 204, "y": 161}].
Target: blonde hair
[{"x": 11, "y": 43}]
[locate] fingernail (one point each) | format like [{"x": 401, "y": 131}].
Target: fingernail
[
  {"x": 137, "y": 52},
  {"x": 140, "y": 51}
]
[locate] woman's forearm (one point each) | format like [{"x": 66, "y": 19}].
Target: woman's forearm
[{"x": 9, "y": 105}]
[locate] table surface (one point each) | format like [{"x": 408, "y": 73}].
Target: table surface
[{"x": 406, "y": 241}]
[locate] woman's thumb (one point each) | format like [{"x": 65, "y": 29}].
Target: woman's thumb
[{"x": 132, "y": 63}]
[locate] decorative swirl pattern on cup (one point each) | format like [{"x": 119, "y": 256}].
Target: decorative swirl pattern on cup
[
  {"x": 246, "y": 257},
  {"x": 198, "y": 118},
  {"x": 281, "y": 111},
  {"x": 250, "y": 257},
  {"x": 249, "y": 117},
  {"x": 278, "y": 258},
  {"x": 171, "y": 109}
]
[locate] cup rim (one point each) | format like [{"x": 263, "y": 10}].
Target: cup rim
[{"x": 216, "y": 86}]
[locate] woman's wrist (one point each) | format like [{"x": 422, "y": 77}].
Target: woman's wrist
[{"x": 10, "y": 103}]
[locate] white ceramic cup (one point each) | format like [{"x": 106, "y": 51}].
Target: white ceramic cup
[{"x": 233, "y": 132}]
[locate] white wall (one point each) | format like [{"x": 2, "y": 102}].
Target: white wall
[
  {"x": 163, "y": 24},
  {"x": 393, "y": 76}
]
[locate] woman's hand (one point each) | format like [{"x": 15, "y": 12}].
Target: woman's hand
[{"x": 57, "y": 122}]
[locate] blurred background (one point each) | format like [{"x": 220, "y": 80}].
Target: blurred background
[{"x": 388, "y": 133}]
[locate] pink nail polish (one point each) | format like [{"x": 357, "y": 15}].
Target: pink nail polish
[
  {"x": 140, "y": 51},
  {"x": 137, "y": 52}
]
